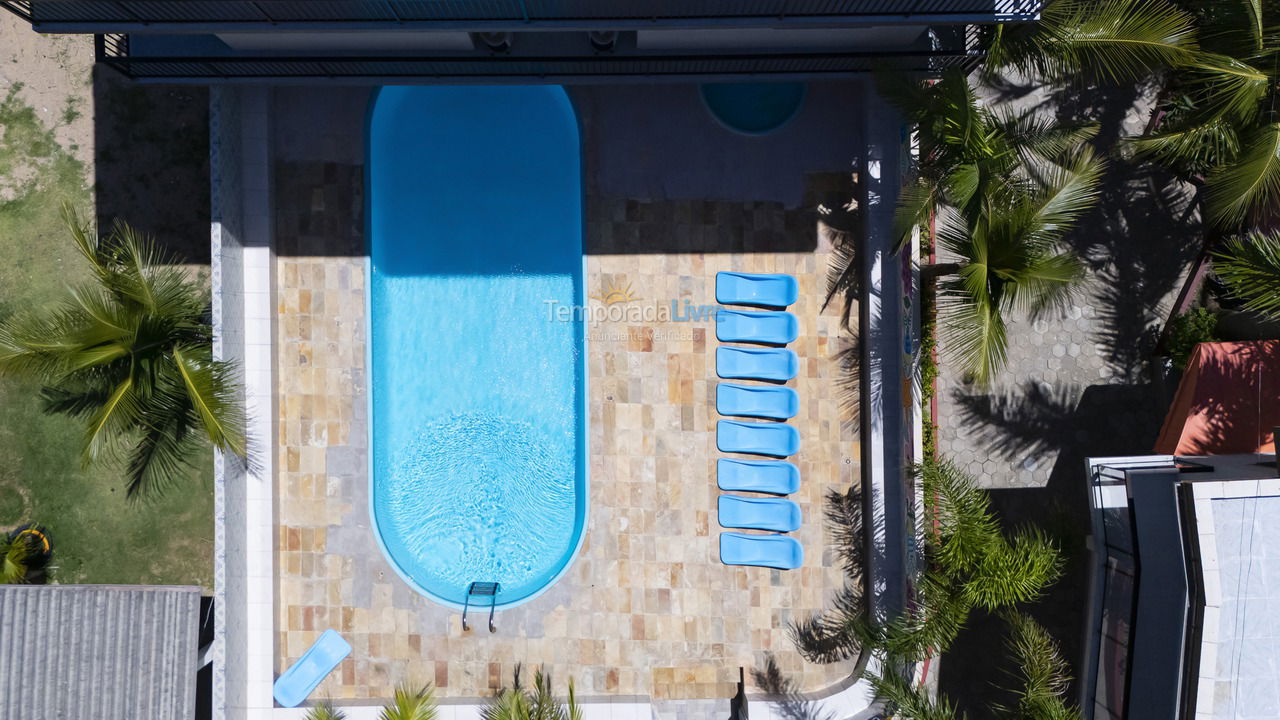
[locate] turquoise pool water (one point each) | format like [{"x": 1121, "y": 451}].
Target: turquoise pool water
[
  {"x": 477, "y": 391},
  {"x": 754, "y": 108}
]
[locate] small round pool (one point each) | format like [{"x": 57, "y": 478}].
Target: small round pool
[{"x": 753, "y": 108}]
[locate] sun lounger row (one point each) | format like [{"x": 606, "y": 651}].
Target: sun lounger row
[{"x": 764, "y": 402}]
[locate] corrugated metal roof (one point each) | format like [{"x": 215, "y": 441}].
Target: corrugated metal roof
[{"x": 107, "y": 652}]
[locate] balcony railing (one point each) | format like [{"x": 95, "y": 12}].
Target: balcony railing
[
  {"x": 125, "y": 15},
  {"x": 113, "y": 50}
]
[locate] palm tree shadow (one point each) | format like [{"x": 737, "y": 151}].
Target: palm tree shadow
[
  {"x": 1021, "y": 424},
  {"x": 781, "y": 690},
  {"x": 1044, "y": 423}
]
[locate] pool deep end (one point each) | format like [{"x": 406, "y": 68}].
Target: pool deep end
[{"x": 478, "y": 461}]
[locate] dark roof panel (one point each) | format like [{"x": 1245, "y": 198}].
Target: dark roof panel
[{"x": 98, "y": 651}]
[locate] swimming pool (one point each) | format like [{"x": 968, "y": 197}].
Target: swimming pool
[{"x": 478, "y": 449}]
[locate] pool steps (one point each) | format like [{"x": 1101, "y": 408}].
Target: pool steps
[{"x": 771, "y": 405}]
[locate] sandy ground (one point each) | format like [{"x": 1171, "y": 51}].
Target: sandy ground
[
  {"x": 144, "y": 147},
  {"x": 56, "y": 77}
]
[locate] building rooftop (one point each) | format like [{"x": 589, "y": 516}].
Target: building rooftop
[{"x": 79, "y": 651}]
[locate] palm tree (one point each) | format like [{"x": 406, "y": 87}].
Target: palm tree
[
  {"x": 1040, "y": 692},
  {"x": 130, "y": 353},
  {"x": 1250, "y": 267},
  {"x": 971, "y": 562},
  {"x": 1008, "y": 257},
  {"x": 410, "y": 704},
  {"x": 325, "y": 711},
  {"x": 971, "y": 157},
  {"x": 1003, "y": 190},
  {"x": 24, "y": 556},
  {"x": 1220, "y": 121},
  {"x": 538, "y": 703}
]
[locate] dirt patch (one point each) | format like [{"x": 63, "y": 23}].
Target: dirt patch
[{"x": 51, "y": 71}]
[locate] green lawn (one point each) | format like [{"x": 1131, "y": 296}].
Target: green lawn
[{"x": 99, "y": 537}]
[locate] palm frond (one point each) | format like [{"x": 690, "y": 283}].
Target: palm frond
[
  {"x": 916, "y": 202},
  {"x": 906, "y": 92},
  {"x": 1250, "y": 267},
  {"x": 1225, "y": 87},
  {"x": 907, "y": 700},
  {"x": 1014, "y": 571},
  {"x": 974, "y": 333},
  {"x": 938, "y": 615},
  {"x": 112, "y": 421},
  {"x": 80, "y": 402},
  {"x": 1045, "y": 283},
  {"x": 1241, "y": 189},
  {"x": 536, "y": 703},
  {"x": 14, "y": 557},
  {"x": 411, "y": 704},
  {"x": 1108, "y": 40},
  {"x": 1191, "y": 145},
  {"x": 86, "y": 242},
  {"x": 572, "y": 707},
  {"x": 961, "y": 512},
  {"x": 212, "y": 395},
  {"x": 161, "y": 454},
  {"x": 325, "y": 711},
  {"x": 1043, "y": 674},
  {"x": 1069, "y": 191}
]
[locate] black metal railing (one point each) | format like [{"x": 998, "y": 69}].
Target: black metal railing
[
  {"x": 104, "y": 15},
  {"x": 521, "y": 69},
  {"x": 21, "y": 9}
]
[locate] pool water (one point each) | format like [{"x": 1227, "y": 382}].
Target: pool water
[
  {"x": 477, "y": 389},
  {"x": 754, "y": 108}
]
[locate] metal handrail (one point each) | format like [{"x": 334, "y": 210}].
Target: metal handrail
[
  {"x": 19, "y": 8},
  {"x": 481, "y": 589}
]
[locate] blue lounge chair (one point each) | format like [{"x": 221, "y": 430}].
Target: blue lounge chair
[
  {"x": 776, "y": 439},
  {"x": 770, "y": 328},
  {"x": 762, "y": 401},
  {"x": 778, "y": 364},
  {"x": 772, "y": 551},
  {"x": 295, "y": 684},
  {"x": 764, "y": 476},
  {"x": 774, "y": 291},
  {"x": 773, "y": 514}
]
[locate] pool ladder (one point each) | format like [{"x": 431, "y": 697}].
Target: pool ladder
[{"x": 481, "y": 589}]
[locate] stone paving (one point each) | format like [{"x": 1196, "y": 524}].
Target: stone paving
[
  {"x": 1080, "y": 383},
  {"x": 647, "y": 609}
]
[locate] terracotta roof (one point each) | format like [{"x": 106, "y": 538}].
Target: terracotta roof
[{"x": 1227, "y": 402}]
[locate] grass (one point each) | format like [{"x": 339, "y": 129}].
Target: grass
[{"x": 99, "y": 537}]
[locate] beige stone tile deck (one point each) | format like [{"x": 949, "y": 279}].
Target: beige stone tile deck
[{"x": 647, "y": 608}]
